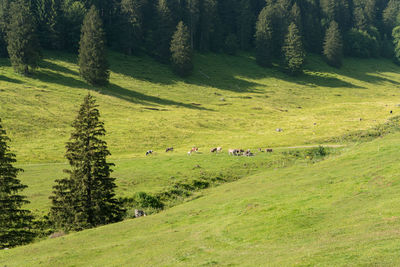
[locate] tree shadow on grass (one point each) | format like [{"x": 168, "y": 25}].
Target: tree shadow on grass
[
  {"x": 9, "y": 80},
  {"x": 231, "y": 73},
  {"x": 114, "y": 90},
  {"x": 46, "y": 64}
]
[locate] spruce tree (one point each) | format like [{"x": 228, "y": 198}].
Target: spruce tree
[
  {"x": 181, "y": 51},
  {"x": 294, "y": 54},
  {"x": 396, "y": 44},
  {"x": 333, "y": 46},
  {"x": 264, "y": 39},
  {"x": 93, "y": 64},
  {"x": 23, "y": 45},
  {"x": 163, "y": 32},
  {"x": 15, "y": 222},
  {"x": 245, "y": 25},
  {"x": 86, "y": 198}
]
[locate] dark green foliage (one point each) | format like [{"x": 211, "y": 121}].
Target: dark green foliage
[
  {"x": 263, "y": 38},
  {"x": 333, "y": 45},
  {"x": 294, "y": 54},
  {"x": 245, "y": 25},
  {"x": 4, "y": 20},
  {"x": 231, "y": 44},
  {"x": 396, "y": 44},
  {"x": 93, "y": 64},
  {"x": 49, "y": 19},
  {"x": 181, "y": 51},
  {"x": 391, "y": 16},
  {"x": 73, "y": 13},
  {"x": 15, "y": 222},
  {"x": 23, "y": 45},
  {"x": 163, "y": 32},
  {"x": 132, "y": 25},
  {"x": 86, "y": 198},
  {"x": 359, "y": 43}
]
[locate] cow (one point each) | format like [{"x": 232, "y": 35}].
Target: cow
[
  {"x": 219, "y": 149},
  {"x": 213, "y": 150},
  {"x": 169, "y": 149},
  {"x": 149, "y": 152},
  {"x": 194, "y": 149},
  {"x": 269, "y": 150},
  {"x": 233, "y": 152},
  {"x": 139, "y": 213}
]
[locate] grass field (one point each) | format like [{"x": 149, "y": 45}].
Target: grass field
[
  {"x": 328, "y": 213},
  {"x": 339, "y": 212},
  {"x": 230, "y": 103}
]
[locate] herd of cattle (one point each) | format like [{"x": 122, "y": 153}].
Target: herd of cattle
[{"x": 231, "y": 152}]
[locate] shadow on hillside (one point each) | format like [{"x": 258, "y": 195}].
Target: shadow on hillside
[
  {"x": 112, "y": 90},
  {"x": 321, "y": 80},
  {"x": 224, "y": 76},
  {"x": 9, "y": 80},
  {"x": 226, "y": 73},
  {"x": 46, "y": 64},
  {"x": 364, "y": 70}
]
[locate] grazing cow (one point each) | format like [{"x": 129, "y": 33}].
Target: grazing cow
[
  {"x": 391, "y": 112},
  {"x": 149, "y": 152},
  {"x": 233, "y": 152},
  {"x": 269, "y": 150},
  {"x": 169, "y": 149},
  {"x": 279, "y": 130},
  {"x": 219, "y": 149},
  {"x": 194, "y": 149},
  {"x": 213, "y": 150},
  {"x": 139, "y": 213}
]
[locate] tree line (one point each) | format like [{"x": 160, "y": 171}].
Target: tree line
[
  {"x": 169, "y": 30},
  {"x": 85, "y": 198}
]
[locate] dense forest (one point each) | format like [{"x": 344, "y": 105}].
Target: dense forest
[{"x": 334, "y": 28}]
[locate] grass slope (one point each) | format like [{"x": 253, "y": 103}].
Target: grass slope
[
  {"x": 340, "y": 212},
  {"x": 229, "y": 102}
]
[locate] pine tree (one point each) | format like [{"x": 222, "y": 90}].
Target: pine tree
[
  {"x": 93, "y": 65},
  {"x": 181, "y": 51},
  {"x": 23, "y": 45},
  {"x": 15, "y": 222},
  {"x": 294, "y": 54},
  {"x": 333, "y": 46},
  {"x": 245, "y": 25},
  {"x": 263, "y": 38},
  {"x": 396, "y": 44},
  {"x": 86, "y": 199},
  {"x": 163, "y": 32}
]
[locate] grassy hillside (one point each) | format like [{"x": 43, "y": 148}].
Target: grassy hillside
[
  {"x": 339, "y": 212},
  {"x": 229, "y": 102}
]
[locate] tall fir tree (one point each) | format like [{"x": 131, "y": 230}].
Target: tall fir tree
[
  {"x": 163, "y": 32},
  {"x": 93, "y": 64},
  {"x": 181, "y": 51},
  {"x": 15, "y": 222},
  {"x": 23, "y": 45},
  {"x": 245, "y": 25},
  {"x": 333, "y": 45},
  {"x": 86, "y": 199},
  {"x": 293, "y": 50},
  {"x": 264, "y": 38},
  {"x": 396, "y": 44}
]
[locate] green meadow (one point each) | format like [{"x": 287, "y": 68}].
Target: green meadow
[{"x": 275, "y": 209}]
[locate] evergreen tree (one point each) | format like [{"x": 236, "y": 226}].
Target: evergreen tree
[
  {"x": 231, "y": 44},
  {"x": 294, "y": 54},
  {"x": 86, "y": 199},
  {"x": 49, "y": 15},
  {"x": 333, "y": 46},
  {"x": 163, "y": 32},
  {"x": 4, "y": 18},
  {"x": 181, "y": 51},
  {"x": 396, "y": 44},
  {"x": 15, "y": 222},
  {"x": 245, "y": 25},
  {"x": 23, "y": 45},
  {"x": 263, "y": 38},
  {"x": 93, "y": 65}
]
